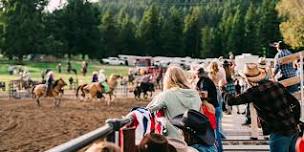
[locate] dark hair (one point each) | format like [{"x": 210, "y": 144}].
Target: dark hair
[
  {"x": 154, "y": 143},
  {"x": 282, "y": 45},
  {"x": 227, "y": 69}
]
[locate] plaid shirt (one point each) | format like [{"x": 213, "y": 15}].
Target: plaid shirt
[
  {"x": 278, "y": 110},
  {"x": 230, "y": 88},
  {"x": 287, "y": 70}
]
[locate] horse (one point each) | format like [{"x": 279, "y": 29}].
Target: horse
[
  {"x": 56, "y": 91},
  {"x": 144, "y": 88},
  {"x": 96, "y": 90}
]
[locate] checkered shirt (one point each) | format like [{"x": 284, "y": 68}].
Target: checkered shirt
[
  {"x": 287, "y": 70},
  {"x": 278, "y": 110}
]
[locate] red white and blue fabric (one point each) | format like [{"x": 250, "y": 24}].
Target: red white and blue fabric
[
  {"x": 145, "y": 123},
  {"x": 142, "y": 121}
]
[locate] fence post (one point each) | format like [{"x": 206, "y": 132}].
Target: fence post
[
  {"x": 127, "y": 139},
  {"x": 301, "y": 79}
]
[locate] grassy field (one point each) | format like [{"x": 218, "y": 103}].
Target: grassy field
[{"x": 35, "y": 68}]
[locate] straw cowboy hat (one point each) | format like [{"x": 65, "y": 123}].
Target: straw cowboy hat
[
  {"x": 253, "y": 73},
  {"x": 262, "y": 62}
]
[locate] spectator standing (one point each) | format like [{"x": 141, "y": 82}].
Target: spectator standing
[
  {"x": 277, "y": 109},
  {"x": 218, "y": 76},
  {"x": 69, "y": 68},
  {"x": 286, "y": 70},
  {"x": 206, "y": 84},
  {"x": 59, "y": 68},
  {"x": 229, "y": 86}
]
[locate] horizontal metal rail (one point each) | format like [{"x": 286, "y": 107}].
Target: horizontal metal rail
[{"x": 86, "y": 139}]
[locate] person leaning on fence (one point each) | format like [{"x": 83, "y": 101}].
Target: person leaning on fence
[
  {"x": 277, "y": 109},
  {"x": 196, "y": 130},
  {"x": 176, "y": 98},
  {"x": 286, "y": 70}
]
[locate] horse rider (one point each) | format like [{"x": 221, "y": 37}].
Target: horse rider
[
  {"x": 95, "y": 77},
  {"x": 102, "y": 81},
  {"x": 49, "y": 82}
]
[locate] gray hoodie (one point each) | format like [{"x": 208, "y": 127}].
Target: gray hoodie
[{"x": 175, "y": 101}]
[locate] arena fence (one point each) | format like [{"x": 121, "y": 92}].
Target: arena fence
[
  {"x": 110, "y": 131},
  {"x": 297, "y": 79}
]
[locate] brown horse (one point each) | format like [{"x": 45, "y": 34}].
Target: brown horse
[
  {"x": 94, "y": 90},
  {"x": 56, "y": 91}
]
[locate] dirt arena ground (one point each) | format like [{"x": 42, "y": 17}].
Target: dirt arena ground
[{"x": 26, "y": 127}]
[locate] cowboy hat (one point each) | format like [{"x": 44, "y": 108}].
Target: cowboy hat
[
  {"x": 279, "y": 45},
  {"x": 180, "y": 145},
  {"x": 262, "y": 62},
  {"x": 196, "y": 124},
  {"x": 253, "y": 73},
  {"x": 101, "y": 71}
]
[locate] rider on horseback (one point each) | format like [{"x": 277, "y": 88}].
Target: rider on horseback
[
  {"x": 49, "y": 82},
  {"x": 102, "y": 80},
  {"x": 95, "y": 77}
]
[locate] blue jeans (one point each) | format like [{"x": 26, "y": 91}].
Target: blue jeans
[
  {"x": 218, "y": 134},
  {"x": 204, "y": 148},
  {"x": 293, "y": 88},
  {"x": 280, "y": 143}
]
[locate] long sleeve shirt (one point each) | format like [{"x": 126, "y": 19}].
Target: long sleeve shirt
[
  {"x": 278, "y": 110},
  {"x": 287, "y": 70},
  {"x": 206, "y": 84}
]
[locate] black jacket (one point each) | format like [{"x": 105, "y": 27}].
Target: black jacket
[{"x": 206, "y": 84}]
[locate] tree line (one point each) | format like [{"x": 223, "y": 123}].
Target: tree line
[{"x": 141, "y": 27}]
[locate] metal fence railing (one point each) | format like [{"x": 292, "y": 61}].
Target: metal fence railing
[{"x": 111, "y": 126}]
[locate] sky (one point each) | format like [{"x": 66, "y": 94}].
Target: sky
[{"x": 55, "y": 3}]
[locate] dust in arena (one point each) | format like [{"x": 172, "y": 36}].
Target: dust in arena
[{"x": 26, "y": 127}]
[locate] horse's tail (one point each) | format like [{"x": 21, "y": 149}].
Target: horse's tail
[
  {"x": 81, "y": 89},
  {"x": 78, "y": 88}
]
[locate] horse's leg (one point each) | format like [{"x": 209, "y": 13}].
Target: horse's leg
[
  {"x": 38, "y": 101},
  {"x": 55, "y": 102}
]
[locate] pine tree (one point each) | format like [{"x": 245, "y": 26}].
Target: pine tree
[
  {"x": 24, "y": 27},
  {"x": 127, "y": 41},
  {"x": 268, "y": 27},
  {"x": 149, "y": 32},
  {"x": 192, "y": 32},
  {"x": 250, "y": 34},
  {"x": 172, "y": 34},
  {"x": 109, "y": 32},
  {"x": 207, "y": 40}
]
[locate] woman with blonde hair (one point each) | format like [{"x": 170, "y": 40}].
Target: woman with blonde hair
[
  {"x": 218, "y": 76},
  {"x": 176, "y": 98}
]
